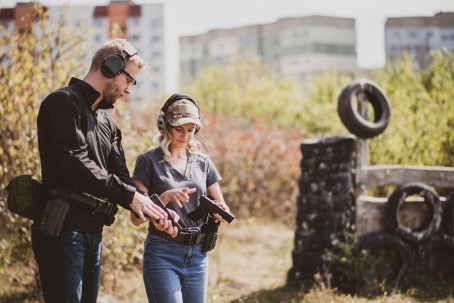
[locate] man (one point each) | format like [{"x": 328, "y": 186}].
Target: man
[{"x": 81, "y": 153}]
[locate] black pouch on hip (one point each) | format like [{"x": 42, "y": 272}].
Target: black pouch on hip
[
  {"x": 23, "y": 195},
  {"x": 54, "y": 216},
  {"x": 212, "y": 231}
]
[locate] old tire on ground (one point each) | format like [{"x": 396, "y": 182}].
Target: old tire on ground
[
  {"x": 325, "y": 202},
  {"x": 328, "y": 147},
  {"x": 350, "y": 116},
  {"x": 447, "y": 221},
  {"x": 311, "y": 262},
  {"x": 382, "y": 256},
  {"x": 326, "y": 222},
  {"x": 315, "y": 242},
  {"x": 322, "y": 167},
  {"x": 329, "y": 184},
  {"x": 436, "y": 257},
  {"x": 396, "y": 200}
]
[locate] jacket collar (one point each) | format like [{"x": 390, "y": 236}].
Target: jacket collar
[{"x": 89, "y": 93}]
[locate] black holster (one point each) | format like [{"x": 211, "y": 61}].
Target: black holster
[
  {"x": 54, "y": 216},
  {"x": 211, "y": 228}
]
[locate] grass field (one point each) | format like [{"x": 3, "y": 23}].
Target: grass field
[{"x": 249, "y": 264}]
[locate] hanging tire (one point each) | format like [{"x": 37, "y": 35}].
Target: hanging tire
[
  {"x": 397, "y": 199},
  {"x": 350, "y": 116},
  {"x": 382, "y": 257},
  {"x": 436, "y": 257}
]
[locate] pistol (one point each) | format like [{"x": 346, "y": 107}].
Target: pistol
[
  {"x": 208, "y": 206},
  {"x": 157, "y": 201}
]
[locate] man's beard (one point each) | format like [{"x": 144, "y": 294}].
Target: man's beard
[{"x": 110, "y": 93}]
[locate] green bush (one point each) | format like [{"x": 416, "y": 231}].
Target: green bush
[
  {"x": 33, "y": 62},
  {"x": 254, "y": 122}
]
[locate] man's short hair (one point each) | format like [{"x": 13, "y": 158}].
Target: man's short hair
[{"x": 111, "y": 47}]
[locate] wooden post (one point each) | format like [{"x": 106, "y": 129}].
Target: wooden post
[{"x": 362, "y": 148}]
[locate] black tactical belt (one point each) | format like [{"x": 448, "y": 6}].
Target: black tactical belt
[
  {"x": 183, "y": 237},
  {"x": 95, "y": 204}
]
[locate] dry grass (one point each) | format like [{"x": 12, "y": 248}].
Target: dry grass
[{"x": 249, "y": 264}]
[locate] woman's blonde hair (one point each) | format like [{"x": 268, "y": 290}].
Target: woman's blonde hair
[{"x": 194, "y": 147}]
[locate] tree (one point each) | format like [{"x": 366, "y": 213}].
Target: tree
[{"x": 33, "y": 62}]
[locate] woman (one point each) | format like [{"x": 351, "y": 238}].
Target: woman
[{"x": 175, "y": 269}]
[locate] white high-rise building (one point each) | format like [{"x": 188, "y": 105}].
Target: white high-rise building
[
  {"x": 417, "y": 36},
  {"x": 295, "y": 47},
  {"x": 146, "y": 26}
]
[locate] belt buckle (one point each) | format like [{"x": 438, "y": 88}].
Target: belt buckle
[{"x": 191, "y": 235}]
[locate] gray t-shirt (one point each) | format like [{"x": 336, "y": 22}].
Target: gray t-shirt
[{"x": 158, "y": 176}]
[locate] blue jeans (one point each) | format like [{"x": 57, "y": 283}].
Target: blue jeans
[
  {"x": 69, "y": 265},
  {"x": 173, "y": 272}
]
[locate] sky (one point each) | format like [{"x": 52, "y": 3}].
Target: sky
[{"x": 199, "y": 16}]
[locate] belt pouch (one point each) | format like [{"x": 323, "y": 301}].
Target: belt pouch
[
  {"x": 54, "y": 216},
  {"x": 211, "y": 237}
]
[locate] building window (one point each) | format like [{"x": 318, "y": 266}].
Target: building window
[
  {"x": 135, "y": 21},
  {"x": 155, "y": 24},
  {"x": 394, "y": 49},
  {"x": 413, "y": 34},
  {"x": 97, "y": 23}
]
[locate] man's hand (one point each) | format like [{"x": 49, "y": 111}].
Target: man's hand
[
  {"x": 166, "y": 225},
  {"x": 177, "y": 195},
  {"x": 143, "y": 206}
]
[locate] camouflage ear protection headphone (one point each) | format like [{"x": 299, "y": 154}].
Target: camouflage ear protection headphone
[{"x": 172, "y": 99}]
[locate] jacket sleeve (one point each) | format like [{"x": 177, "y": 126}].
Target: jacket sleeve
[
  {"x": 117, "y": 162},
  {"x": 64, "y": 119}
]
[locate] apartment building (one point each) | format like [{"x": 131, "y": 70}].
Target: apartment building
[
  {"x": 295, "y": 47},
  {"x": 147, "y": 26},
  {"x": 417, "y": 36}
]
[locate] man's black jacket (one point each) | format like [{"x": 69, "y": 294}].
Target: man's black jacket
[{"x": 81, "y": 149}]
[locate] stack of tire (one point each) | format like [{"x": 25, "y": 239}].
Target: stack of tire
[
  {"x": 427, "y": 249},
  {"x": 325, "y": 204}
]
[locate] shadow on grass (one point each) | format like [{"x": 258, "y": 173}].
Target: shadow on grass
[
  {"x": 422, "y": 290},
  {"x": 283, "y": 294},
  {"x": 20, "y": 296}
]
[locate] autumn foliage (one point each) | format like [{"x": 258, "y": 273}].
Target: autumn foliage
[{"x": 254, "y": 121}]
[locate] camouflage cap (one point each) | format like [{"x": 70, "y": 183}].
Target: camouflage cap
[{"x": 183, "y": 111}]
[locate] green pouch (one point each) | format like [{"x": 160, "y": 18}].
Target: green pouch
[{"x": 23, "y": 193}]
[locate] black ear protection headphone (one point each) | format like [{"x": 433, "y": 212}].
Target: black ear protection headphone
[
  {"x": 172, "y": 99},
  {"x": 114, "y": 64}
]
